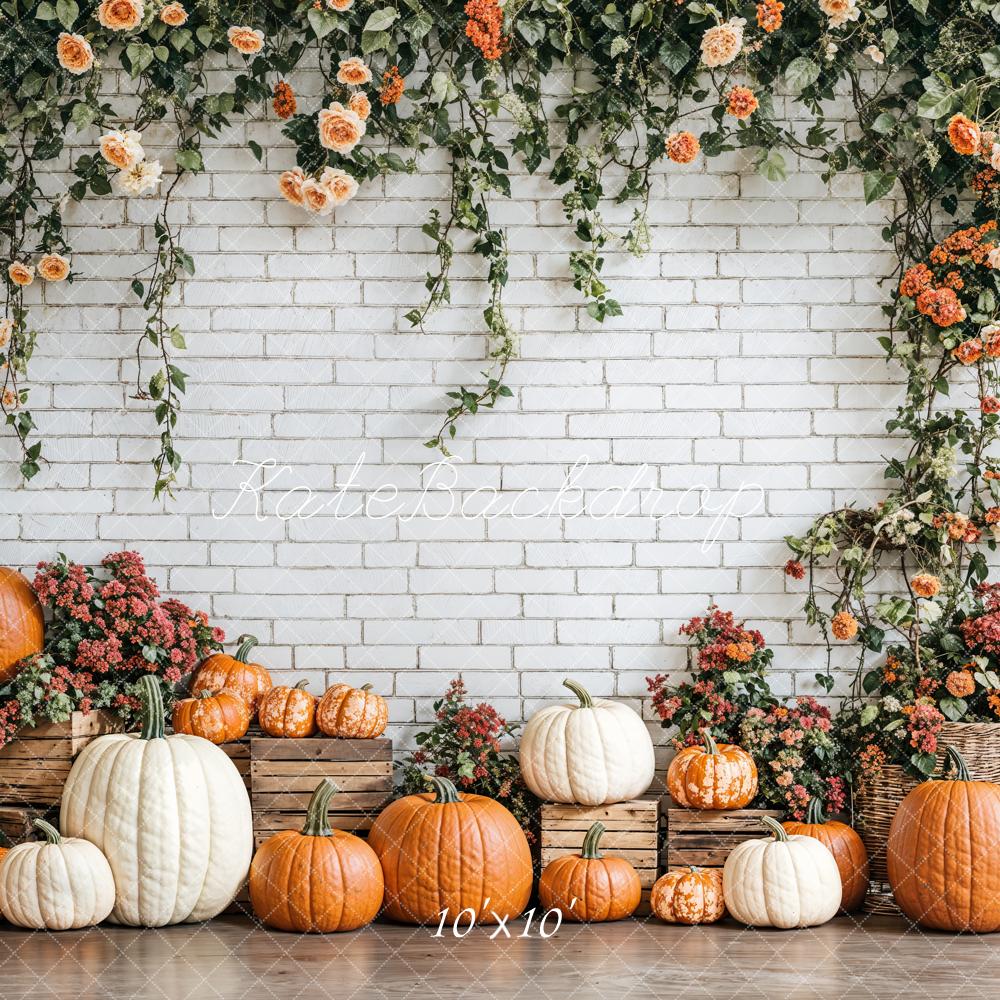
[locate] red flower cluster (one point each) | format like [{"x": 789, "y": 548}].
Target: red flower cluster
[
  {"x": 982, "y": 632},
  {"x": 485, "y": 27}
]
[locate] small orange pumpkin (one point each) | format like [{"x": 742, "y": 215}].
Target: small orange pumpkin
[
  {"x": 352, "y": 713},
  {"x": 219, "y": 717},
  {"x": 845, "y": 845},
  {"x": 589, "y": 887},
  {"x": 720, "y": 776},
  {"x": 319, "y": 880},
  {"x": 250, "y": 681},
  {"x": 288, "y": 711},
  {"x": 689, "y": 896},
  {"x": 22, "y": 623}
]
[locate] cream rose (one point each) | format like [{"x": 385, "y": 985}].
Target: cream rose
[
  {"x": 341, "y": 185},
  {"x": 140, "y": 177},
  {"x": 316, "y": 197},
  {"x": 840, "y": 11},
  {"x": 74, "y": 53},
  {"x": 340, "y": 128},
  {"x": 6, "y": 331},
  {"x": 722, "y": 43},
  {"x": 122, "y": 149},
  {"x": 120, "y": 15},
  {"x": 290, "y": 184},
  {"x": 245, "y": 39},
  {"x": 360, "y": 105},
  {"x": 174, "y": 15}
]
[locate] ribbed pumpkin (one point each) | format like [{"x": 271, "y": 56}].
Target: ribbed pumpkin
[
  {"x": 688, "y": 896},
  {"x": 220, "y": 670},
  {"x": 352, "y": 713},
  {"x": 22, "y": 624},
  {"x": 442, "y": 849},
  {"x": 218, "y": 717},
  {"x": 715, "y": 776},
  {"x": 589, "y": 887},
  {"x": 943, "y": 853},
  {"x": 845, "y": 845},
  {"x": 319, "y": 880},
  {"x": 288, "y": 711}
]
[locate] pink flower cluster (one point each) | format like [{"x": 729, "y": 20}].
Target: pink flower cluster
[
  {"x": 924, "y": 724},
  {"x": 982, "y": 633}
]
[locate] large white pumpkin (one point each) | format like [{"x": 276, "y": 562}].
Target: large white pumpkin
[
  {"x": 592, "y": 753},
  {"x": 782, "y": 881},
  {"x": 56, "y": 885},
  {"x": 171, "y": 814}
]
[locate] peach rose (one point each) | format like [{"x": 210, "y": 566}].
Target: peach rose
[
  {"x": 74, "y": 53},
  {"x": 54, "y": 267},
  {"x": 245, "y": 39},
  {"x": 340, "y": 128},
  {"x": 10, "y": 399},
  {"x": 173, "y": 14},
  {"x": 290, "y": 184},
  {"x": 6, "y": 331},
  {"x": 721, "y": 44},
  {"x": 122, "y": 149},
  {"x": 21, "y": 274},
  {"x": 120, "y": 15},
  {"x": 360, "y": 105},
  {"x": 353, "y": 72},
  {"x": 341, "y": 185},
  {"x": 340, "y": 5},
  {"x": 316, "y": 197}
]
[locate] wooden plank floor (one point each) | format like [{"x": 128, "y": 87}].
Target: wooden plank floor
[{"x": 230, "y": 958}]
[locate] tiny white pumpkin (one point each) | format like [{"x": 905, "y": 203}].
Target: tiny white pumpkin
[
  {"x": 591, "y": 753},
  {"x": 58, "y": 884},
  {"x": 782, "y": 881},
  {"x": 171, "y": 814}
]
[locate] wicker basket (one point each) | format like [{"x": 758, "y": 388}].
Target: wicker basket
[{"x": 879, "y": 797}]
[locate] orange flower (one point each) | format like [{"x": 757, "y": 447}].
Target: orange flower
[
  {"x": 74, "y": 53},
  {"x": 992, "y": 515},
  {"x": 174, "y": 15},
  {"x": 682, "y": 147},
  {"x": 340, "y": 128},
  {"x": 10, "y": 399},
  {"x": 963, "y": 134},
  {"x": 925, "y": 585},
  {"x": 290, "y": 184},
  {"x": 916, "y": 279},
  {"x": 340, "y": 5},
  {"x": 740, "y": 651},
  {"x": 54, "y": 267},
  {"x": 245, "y": 39},
  {"x": 284, "y": 100},
  {"x": 122, "y": 149},
  {"x": 742, "y": 103},
  {"x": 844, "y": 626},
  {"x": 993, "y": 700},
  {"x": 989, "y": 404},
  {"x": 769, "y": 15},
  {"x": 360, "y": 105},
  {"x": 353, "y": 72},
  {"x": 393, "y": 86},
  {"x": 968, "y": 352},
  {"x": 317, "y": 197},
  {"x": 20, "y": 273},
  {"x": 120, "y": 15},
  {"x": 341, "y": 185},
  {"x": 941, "y": 306},
  {"x": 485, "y": 27},
  {"x": 960, "y": 683}
]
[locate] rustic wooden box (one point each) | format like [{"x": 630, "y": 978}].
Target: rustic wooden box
[
  {"x": 285, "y": 772},
  {"x": 34, "y": 768},
  {"x": 704, "y": 837},
  {"x": 17, "y": 823},
  {"x": 239, "y": 753},
  {"x": 632, "y": 830}
]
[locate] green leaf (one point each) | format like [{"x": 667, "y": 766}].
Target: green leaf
[
  {"x": 924, "y": 762},
  {"x": 772, "y": 166},
  {"x": 320, "y": 22},
  {"x": 372, "y": 41},
  {"x": 422, "y": 24},
  {"x": 67, "y": 11},
  {"x": 256, "y": 149},
  {"x": 953, "y": 709},
  {"x": 871, "y": 681},
  {"x": 936, "y": 104},
  {"x": 45, "y": 12},
  {"x": 190, "y": 159},
  {"x": 991, "y": 60},
  {"x": 884, "y": 123},
  {"x": 868, "y": 715},
  {"x": 675, "y": 54},
  {"x": 920, "y": 6},
  {"x": 139, "y": 55},
  {"x": 381, "y": 20},
  {"x": 801, "y": 72},
  {"x": 877, "y": 185},
  {"x": 82, "y": 115}
]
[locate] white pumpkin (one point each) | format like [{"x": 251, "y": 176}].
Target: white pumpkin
[
  {"x": 782, "y": 881},
  {"x": 171, "y": 814},
  {"x": 591, "y": 753},
  {"x": 56, "y": 885}
]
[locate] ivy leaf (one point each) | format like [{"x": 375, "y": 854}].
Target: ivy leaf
[
  {"x": 381, "y": 20},
  {"x": 877, "y": 185},
  {"x": 871, "y": 681},
  {"x": 935, "y": 103},
  {"x": 67, "y": 11},
  {"x": 422, "y": 24},
  {"x": 190, "y": 159},
  {"x": 884, "y": 123},
  {"x": 45, "y": 12},
  {"x": 991, "y": 60},
  {"x": 772, "y": 166},
  {"x": 920, "y": 6},
  {"x": 82, "y": 115},
  {"x": 320, "y": 22},
  {"x": 953, "y": 708},
  {"x": 139, "y": 56},
  {"x": 801, "y": 72},
  {"x": 372, "y": 41},
  {"x": 675, "y": 55}
]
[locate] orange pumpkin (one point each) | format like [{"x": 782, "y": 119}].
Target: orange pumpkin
[
  {"x": 22, "y": 623},
  {"x": 942, "y": 857},
  {"x": 288, "y": 711},
  {"x": 352, "y": 713},
  {"x": 250, "y": 681},
  {"x": 219, "y": 717},
  {"x": 845, "y": 845},
  {"x": 720, "y": 776},
  {"x": 689, "y": 896},
  {"x": 316, "y": 881},
  {"x": 442, "y": 849},
  {"x": 588, "y": 887}
]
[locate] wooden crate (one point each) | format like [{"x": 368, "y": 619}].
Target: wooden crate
[
  {"x": 632, "y": 830},
  {"x": 34, "y": 768},
  {"x": 284, "y": 773},
  {"x": 704, "y": 837},
  {"x": 239, "y": 753},
  {"x": 17, "y": 823}
]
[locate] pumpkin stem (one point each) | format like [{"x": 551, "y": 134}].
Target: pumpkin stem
[
  {"x": 815, "y": 814},
  {"x": 694, "y": 869},
  {"x": 246, "y": 643},
  {"x": 581, "y": 692},
  {"x": 776, "y": 829},
  {"x": 206, "y": 694},
  {"x": 303, "y": 684},
  {"x": 152, "y": 708},
  {"x": 317, "y": 815},
  {"x": 444, "y": 787},
  {"x": 962, "y": 772},
  {"x": 51, "y": 833},
  {"x": 365, "y": 687},
  {"x": 591, "y": 840},
  {"x": 710, "y": 745}
]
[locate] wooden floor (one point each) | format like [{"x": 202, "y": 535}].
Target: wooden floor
[{"x": 231, "y": 958}]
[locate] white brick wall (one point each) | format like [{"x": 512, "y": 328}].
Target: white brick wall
[{"x": 745, "y": 356}]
